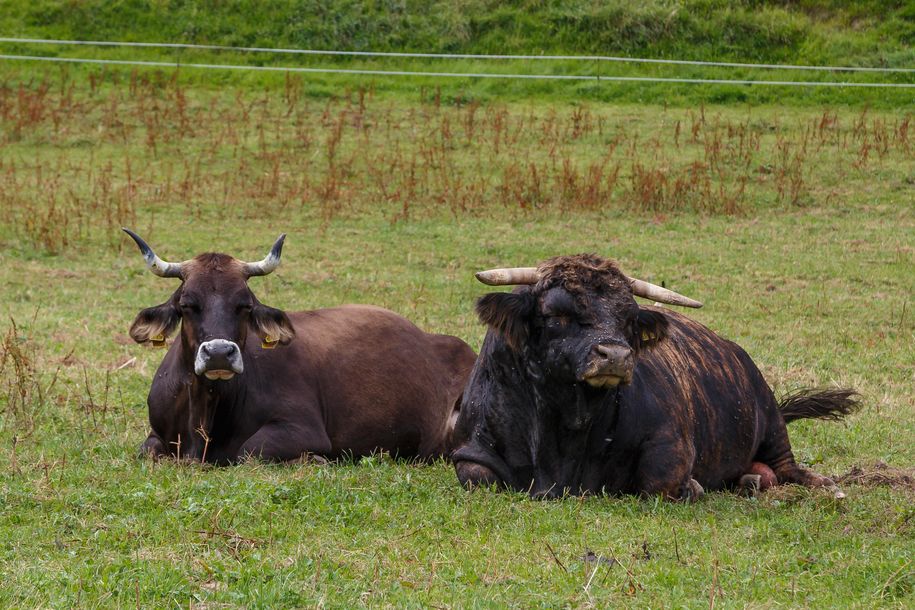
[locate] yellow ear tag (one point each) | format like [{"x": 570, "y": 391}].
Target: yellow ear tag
[
  {"x": 268, "y": 342},
  {"x": 158, "y": 340},
  {"x": 645, "y": 335}
]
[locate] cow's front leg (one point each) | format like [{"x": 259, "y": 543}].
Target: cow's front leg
[
  {"x": 666, "y": 468},
  {"x": 152, "y": 447},
  {"x": 280, "y": 442}
]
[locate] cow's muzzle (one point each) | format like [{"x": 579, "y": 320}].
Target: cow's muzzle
[
  {"x": 609, "y": 366},
  {"x": 218, "y": 359}
]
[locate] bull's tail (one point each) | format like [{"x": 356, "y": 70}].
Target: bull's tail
[{"x": 813, "y": 403}]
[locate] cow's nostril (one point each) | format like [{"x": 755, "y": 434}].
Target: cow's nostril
[
  {"x": 614, "y": 354},
  {"x": 230, "y": 349}
]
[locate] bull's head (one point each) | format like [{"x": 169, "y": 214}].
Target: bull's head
[
  {"x": 576, "y": 318},
  {"x": 215, "y": 307}
]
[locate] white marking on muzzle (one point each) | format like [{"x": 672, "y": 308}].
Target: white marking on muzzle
[{"x": 214, "y": 346}]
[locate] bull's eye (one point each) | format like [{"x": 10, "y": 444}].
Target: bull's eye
[
  {"x": 557, "y": 321},
  {"x": 632, "y": 331}
]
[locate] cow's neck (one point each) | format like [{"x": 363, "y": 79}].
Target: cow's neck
[{"x": 208, "y": 403}]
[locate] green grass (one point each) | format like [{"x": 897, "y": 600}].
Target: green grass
[
  {"x": 817, "y": 289},
  {"x": 818, "y": 32}
]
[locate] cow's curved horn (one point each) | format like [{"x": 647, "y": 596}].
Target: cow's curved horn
[
  {"x": 529, "y": 275},
  {"x": 156, "y": 265},
  {"x": 509, "y": 276},
  {"x": 270, "y": 262},
  {"x": 662, "y": 295}
]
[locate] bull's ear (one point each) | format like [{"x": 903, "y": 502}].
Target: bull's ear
[
  {"x": 507, "y": 313},
  {"x": 155, "y": 323},
  {"x": 650, "y": 328},
  {"x": 273, "y": 325}
]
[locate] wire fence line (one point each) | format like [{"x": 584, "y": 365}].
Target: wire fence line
[
  {"x": 329, "y": 52},
  {"x": 567, "y": 77}
]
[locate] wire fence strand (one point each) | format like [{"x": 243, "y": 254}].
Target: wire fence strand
[
  {"x": 565, "y": 77},
  {"x": 328, "y": 52}
]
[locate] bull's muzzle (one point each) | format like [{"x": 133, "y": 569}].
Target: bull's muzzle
[
  {"x": 610, "y": 365},
  {"x": 218, "y": 359}
]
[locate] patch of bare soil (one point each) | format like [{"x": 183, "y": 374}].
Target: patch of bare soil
[{"x": 879, "y": 474}]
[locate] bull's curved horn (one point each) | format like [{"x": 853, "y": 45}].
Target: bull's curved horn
[
  {"x": 270, "y": 262},
  {"x": 509, "y": 276},
  {"x": 529, "y": 275},
  {"x": 662, "y": 295},
  {"x": 156, "y": 265}
]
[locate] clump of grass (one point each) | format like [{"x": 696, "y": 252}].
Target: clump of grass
[{"x": 23, "y": 389}]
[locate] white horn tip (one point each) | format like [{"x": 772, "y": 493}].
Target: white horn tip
[
  {"x": 508, "y": 276},
  {"x": 687, "y": 302},
  {"x": 487, "y": 277}
]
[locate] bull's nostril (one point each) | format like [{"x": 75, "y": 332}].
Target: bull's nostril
[{"x": 613, "y": 354}]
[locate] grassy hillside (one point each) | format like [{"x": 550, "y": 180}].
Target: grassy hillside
[{"x": 819, "y": 32}]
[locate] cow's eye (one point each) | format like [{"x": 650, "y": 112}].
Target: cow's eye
[
  {"x": 190, "y": 307},
  {"x": 244, "y": 308}
]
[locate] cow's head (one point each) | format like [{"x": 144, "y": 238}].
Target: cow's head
[
  {"x": 215, "y": 309},
  {"x": 576, "y": 318}
]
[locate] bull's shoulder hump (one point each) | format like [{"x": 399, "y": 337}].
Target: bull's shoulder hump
[
  {"x": 682, "y": 328},
  {"x": 679, "y": 321}
]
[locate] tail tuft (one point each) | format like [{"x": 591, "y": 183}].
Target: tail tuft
[{"x": 814, "y": 403}]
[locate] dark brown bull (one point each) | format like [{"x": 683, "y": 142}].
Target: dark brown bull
[
  {"x": 579, "y": 390},
  {"x": 348, "y": 380}
]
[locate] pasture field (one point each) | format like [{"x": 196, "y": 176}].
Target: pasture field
[{"x": 795, "y": 226}]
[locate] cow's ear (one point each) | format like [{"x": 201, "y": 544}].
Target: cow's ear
[
  {"x": 507, "y": 313},
  {"x": 155, "y": 323},
  {"x": 650, "y": 328},
  {"x": 273, "y": 325}
]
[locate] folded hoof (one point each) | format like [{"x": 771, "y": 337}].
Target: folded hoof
[
  {"x": 750, "y": 484},
  {"x": 767, "y": 476},
  {"x": 694, "y": 491},
  {"x": 837, "y": 493}
]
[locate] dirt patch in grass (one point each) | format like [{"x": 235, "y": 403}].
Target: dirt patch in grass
[
  {"x": 871, "y": 476},
  {"x": 879, "y": 474}
]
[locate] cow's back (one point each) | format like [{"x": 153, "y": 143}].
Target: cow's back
[{"x": 378, "y": 380}]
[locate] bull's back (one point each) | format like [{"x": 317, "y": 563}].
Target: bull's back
[
  {"x": 709, "y": 390},
  {"x": 383, "y": 382}
]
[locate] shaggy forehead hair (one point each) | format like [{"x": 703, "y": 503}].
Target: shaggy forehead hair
[
  {"x": 582, "y": 273},
  {"x": 213, "y": 262}
]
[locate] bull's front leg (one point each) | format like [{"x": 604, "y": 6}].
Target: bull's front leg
[
  {"x": 665, "y": 468},
  {"x": 281, "y": 442},
  {"x": 473, "y": 475}
]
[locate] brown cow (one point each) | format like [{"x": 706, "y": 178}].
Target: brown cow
[
  {"x": 347, "y": 380},
  {"x": 578, "y": 389}
]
